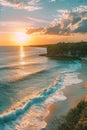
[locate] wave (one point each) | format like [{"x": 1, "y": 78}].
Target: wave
[
  {"x": 17, "y": 77},
  {"x": 4, "y": 85},
  {"x": 42, "y": 97},
  {"x": 28, "y": 75},
  {"x": 17, "y": 66},
  {"x": 52, "y": 94},
  {"x": 31, "y": 112}
]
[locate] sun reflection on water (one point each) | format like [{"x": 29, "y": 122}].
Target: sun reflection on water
[
  {"x": 22, "y": 52},
  {"x": 22, "y": 55}
]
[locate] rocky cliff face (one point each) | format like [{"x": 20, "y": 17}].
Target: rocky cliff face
[{"x": 67, "y": 50}]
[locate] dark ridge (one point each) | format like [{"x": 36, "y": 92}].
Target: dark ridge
[{"x": 67, "y": 50}]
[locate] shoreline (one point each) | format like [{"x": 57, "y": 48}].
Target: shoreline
[
  {"x": 74, "y": 94},
  {"x": 61, "y": 57}
]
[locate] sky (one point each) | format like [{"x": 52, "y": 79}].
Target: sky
[{"x": 43, "y": 21}]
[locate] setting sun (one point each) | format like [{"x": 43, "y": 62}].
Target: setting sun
[{"x": 21, "y": 37}]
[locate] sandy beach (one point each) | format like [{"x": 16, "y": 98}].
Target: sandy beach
[
  {"x": 74, "y": 94},
  {"x": 43, "y": 64},
  {"x": 31, "y": 86}
]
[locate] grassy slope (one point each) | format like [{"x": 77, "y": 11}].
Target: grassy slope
[
  {"x": 67, "y": 50},
  {"x": 76, "y": 119}
]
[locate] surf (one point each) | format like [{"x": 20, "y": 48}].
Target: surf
[{"x": 48, "y": 96}]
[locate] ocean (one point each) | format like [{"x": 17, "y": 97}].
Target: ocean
[{"x": 29, "y": 84}]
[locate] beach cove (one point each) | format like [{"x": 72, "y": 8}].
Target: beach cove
[
  {"x": 40, "y": 90},
  {"x": 74, "y": 93}
]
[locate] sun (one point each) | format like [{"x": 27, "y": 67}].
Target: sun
[{"x": 21, "y": 38}]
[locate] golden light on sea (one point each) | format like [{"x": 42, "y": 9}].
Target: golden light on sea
[{"x": 22, "y": 55}]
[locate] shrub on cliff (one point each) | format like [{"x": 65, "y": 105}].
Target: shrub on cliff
[{"x": 76, "y": 118}]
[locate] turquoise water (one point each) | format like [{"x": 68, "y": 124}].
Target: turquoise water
[{"x": 30, "y": 83}]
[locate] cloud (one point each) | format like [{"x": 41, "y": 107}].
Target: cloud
[
  {"x": 21, "y": 4},
  {"x": 82, "y": 27},
  {"x": 34, "y": 30},
  {"x": 70, "y": 22},
  {"x": 32, "y": 2},
  {"x": 52, "y": 0},
  {"x": 38, "y": 20},
  {"x": 52, "y": 30},
  {"x": 80, "y": 9},
  {"x": 11, "y": 26},
  {"x": 62, "y": 11}
]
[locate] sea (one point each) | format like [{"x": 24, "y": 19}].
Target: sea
[{"x": 30, "y": 83}]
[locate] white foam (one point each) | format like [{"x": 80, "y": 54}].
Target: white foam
[
  {"x": 70, "y": 79},
  {"x": 57, "y": 96},
  {"x": 34, "y": 119}
]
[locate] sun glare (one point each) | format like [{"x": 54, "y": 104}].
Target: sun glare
[{"x": 21, "y": 38}]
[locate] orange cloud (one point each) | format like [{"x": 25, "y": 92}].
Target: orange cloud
[
  {"x": 71, "y": 22},
  {"x": 20, "y": 5}
]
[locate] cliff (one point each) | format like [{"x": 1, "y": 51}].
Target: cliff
[
  {"x": 67, "y": 50},
  {"x": 76, "y": 119}
]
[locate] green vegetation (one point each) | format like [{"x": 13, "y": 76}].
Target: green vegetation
[
  {"x": 76, "y": 119},
  {"x": 67, "y": 50}
]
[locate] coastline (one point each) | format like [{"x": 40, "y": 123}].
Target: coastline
[{"x": 74, "y": 94}]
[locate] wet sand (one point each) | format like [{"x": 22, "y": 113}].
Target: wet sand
[
  {"x": 74, "y": 94},
  {"x": 85, "y": 85}
]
